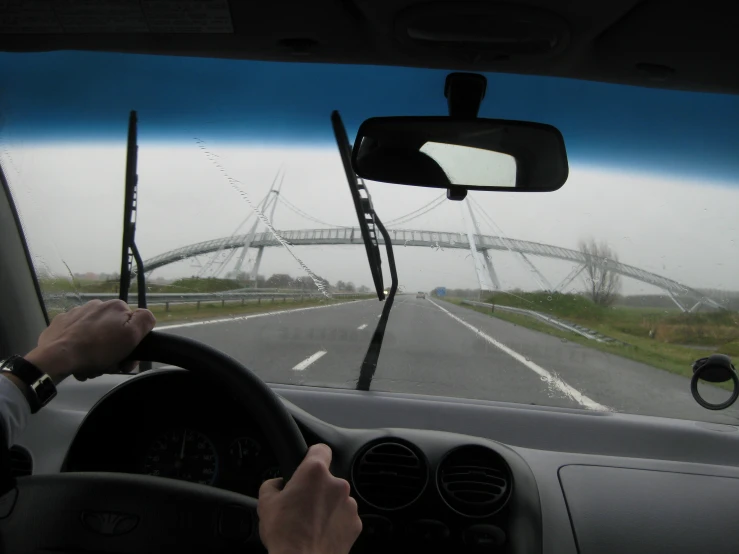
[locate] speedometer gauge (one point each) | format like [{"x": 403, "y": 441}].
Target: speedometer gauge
[
  {"x": 243, "y": 451},
  {"x": 182, "y": 454},
  {"x": 272, "y": 472}
]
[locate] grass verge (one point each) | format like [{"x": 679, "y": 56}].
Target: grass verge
[
  {"x": 669, "y": 357},
  {"x": 713, "y": 330}
]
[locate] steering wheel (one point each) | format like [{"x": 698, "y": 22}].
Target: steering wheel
[{"x": 121, "y": 513}]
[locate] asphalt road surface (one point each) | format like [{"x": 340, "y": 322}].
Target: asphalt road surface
[{"x": 433, "y": 347}]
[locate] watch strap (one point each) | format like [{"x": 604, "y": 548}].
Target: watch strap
[{"x": 40, "y": 388}]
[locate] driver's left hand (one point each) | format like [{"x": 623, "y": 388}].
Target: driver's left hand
[{"x": 90, "y": 340}]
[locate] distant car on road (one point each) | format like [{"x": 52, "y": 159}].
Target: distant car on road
[{"x": 421, "y": 295}]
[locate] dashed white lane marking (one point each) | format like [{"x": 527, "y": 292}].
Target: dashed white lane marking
[
  {"x": 362, "y": 326},
  {"x": 309, "y": 360},
  {"x": 552, "y": 380},
  {"x": 252, "y": 316}
]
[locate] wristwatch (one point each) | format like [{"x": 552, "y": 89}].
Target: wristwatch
[{"x": 39, "y": 389}]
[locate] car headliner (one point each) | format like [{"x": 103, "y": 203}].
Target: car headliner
[{"x": 653, "y": 43}]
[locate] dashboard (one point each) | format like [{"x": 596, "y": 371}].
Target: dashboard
[
  {"x": 429, "y": 474},
  {"x": 412, "y": 487}
]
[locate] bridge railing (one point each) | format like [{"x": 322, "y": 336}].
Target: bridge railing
[{"x": 433, "y": 239}]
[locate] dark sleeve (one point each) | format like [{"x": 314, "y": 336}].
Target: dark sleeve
[{"x": 7, "y": 481}]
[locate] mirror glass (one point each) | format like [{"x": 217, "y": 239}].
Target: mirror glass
[
  {"x": 475, "y": 167},
  {"x": 475, "y": 154}
]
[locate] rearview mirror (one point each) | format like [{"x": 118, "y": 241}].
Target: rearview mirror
[{"x": 469, "y": 154}]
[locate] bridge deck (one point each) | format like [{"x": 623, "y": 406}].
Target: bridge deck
[{"x": 409, "y": 237}]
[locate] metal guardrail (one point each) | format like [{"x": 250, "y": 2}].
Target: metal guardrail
[
  {"x": 554, "y": 322},
  {"x": 68, "y": 299}
]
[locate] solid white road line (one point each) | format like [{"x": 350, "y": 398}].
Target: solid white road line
[
  {"x": 309, "y": 360},
  {"x": 552, "y": 380},
  {"x": 252, "y": 316},
  {"x": 362, "y": 326}
]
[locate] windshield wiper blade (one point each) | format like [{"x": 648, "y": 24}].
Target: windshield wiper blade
[
  {"x": 129, "y": 210},
  {"x": 362, "y": 204},
  {"x": 369, "y": 223},
  {"x": 130, "y": 253}
]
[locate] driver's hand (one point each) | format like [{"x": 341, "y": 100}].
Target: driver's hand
[
  {"x": 312, "y": 514},
  {"x": 90, "y": 340}
]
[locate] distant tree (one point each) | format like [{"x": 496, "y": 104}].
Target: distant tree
[
  {"x": 349, "y": 287},
  {"x": 238, "y": 275},
  {"x": 340, "y": 285},
  {"x": 363, "y": 289},
  {"x": 308, "y": 283},
  {"x": 279, "y": 281},
  {"x": 304, "y": 282},
  {"x": 603, "y": 284}
]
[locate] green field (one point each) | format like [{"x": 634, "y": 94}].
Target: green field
[
  {"x": 207, "y": 310},
  {"x": 188, "y": 284},
  {"x": 176, "y": 312},
  {"x": 667, "y": 339}
]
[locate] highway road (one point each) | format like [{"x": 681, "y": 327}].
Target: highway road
[{"x": 437, "y": 348}]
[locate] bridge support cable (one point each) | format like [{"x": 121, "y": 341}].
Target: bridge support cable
[
  {"x": 712, "y": 303},
  {"x": 676, "y": 301},
  {"x": 564, "y": 283},
  {"x": 271, "y": 203},
  {"x": 423, "y": 210},
  {"x": 489, "y": 280},
  {"x": 264, "y": 204},
  {"x": 246, "y": 244},
  {"x": 204, "y": 268},
  {"x": 293, "y": 208},
  {"x": 538, "y": 276},
  {"x": 410, "y": 216}
]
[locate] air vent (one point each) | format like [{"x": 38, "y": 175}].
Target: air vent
[
  {"x": 389, "y": 475},
  {"x": 21, "y": 463},
  {"x": 474, "y": 481}
]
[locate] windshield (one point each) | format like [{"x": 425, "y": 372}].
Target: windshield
[{"x": 249, "y": 235}]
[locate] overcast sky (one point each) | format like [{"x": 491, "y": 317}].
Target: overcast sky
[
  {"x": 652, "y": 172},
  {"x": 70, "y": 199}
]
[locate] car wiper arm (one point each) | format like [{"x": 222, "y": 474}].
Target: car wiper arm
[
  {"x": 130, "y": 253},
  {"x": 369, "y": 364},
  {"x": 369, "y": 224}
]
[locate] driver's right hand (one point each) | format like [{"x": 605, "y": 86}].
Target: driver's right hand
[{"x": 312, "y": 514}]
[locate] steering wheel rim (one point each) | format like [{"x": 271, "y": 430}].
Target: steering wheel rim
[
  {"x": 116, "y": 512},
  {"x": 283, "y": 434}
]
